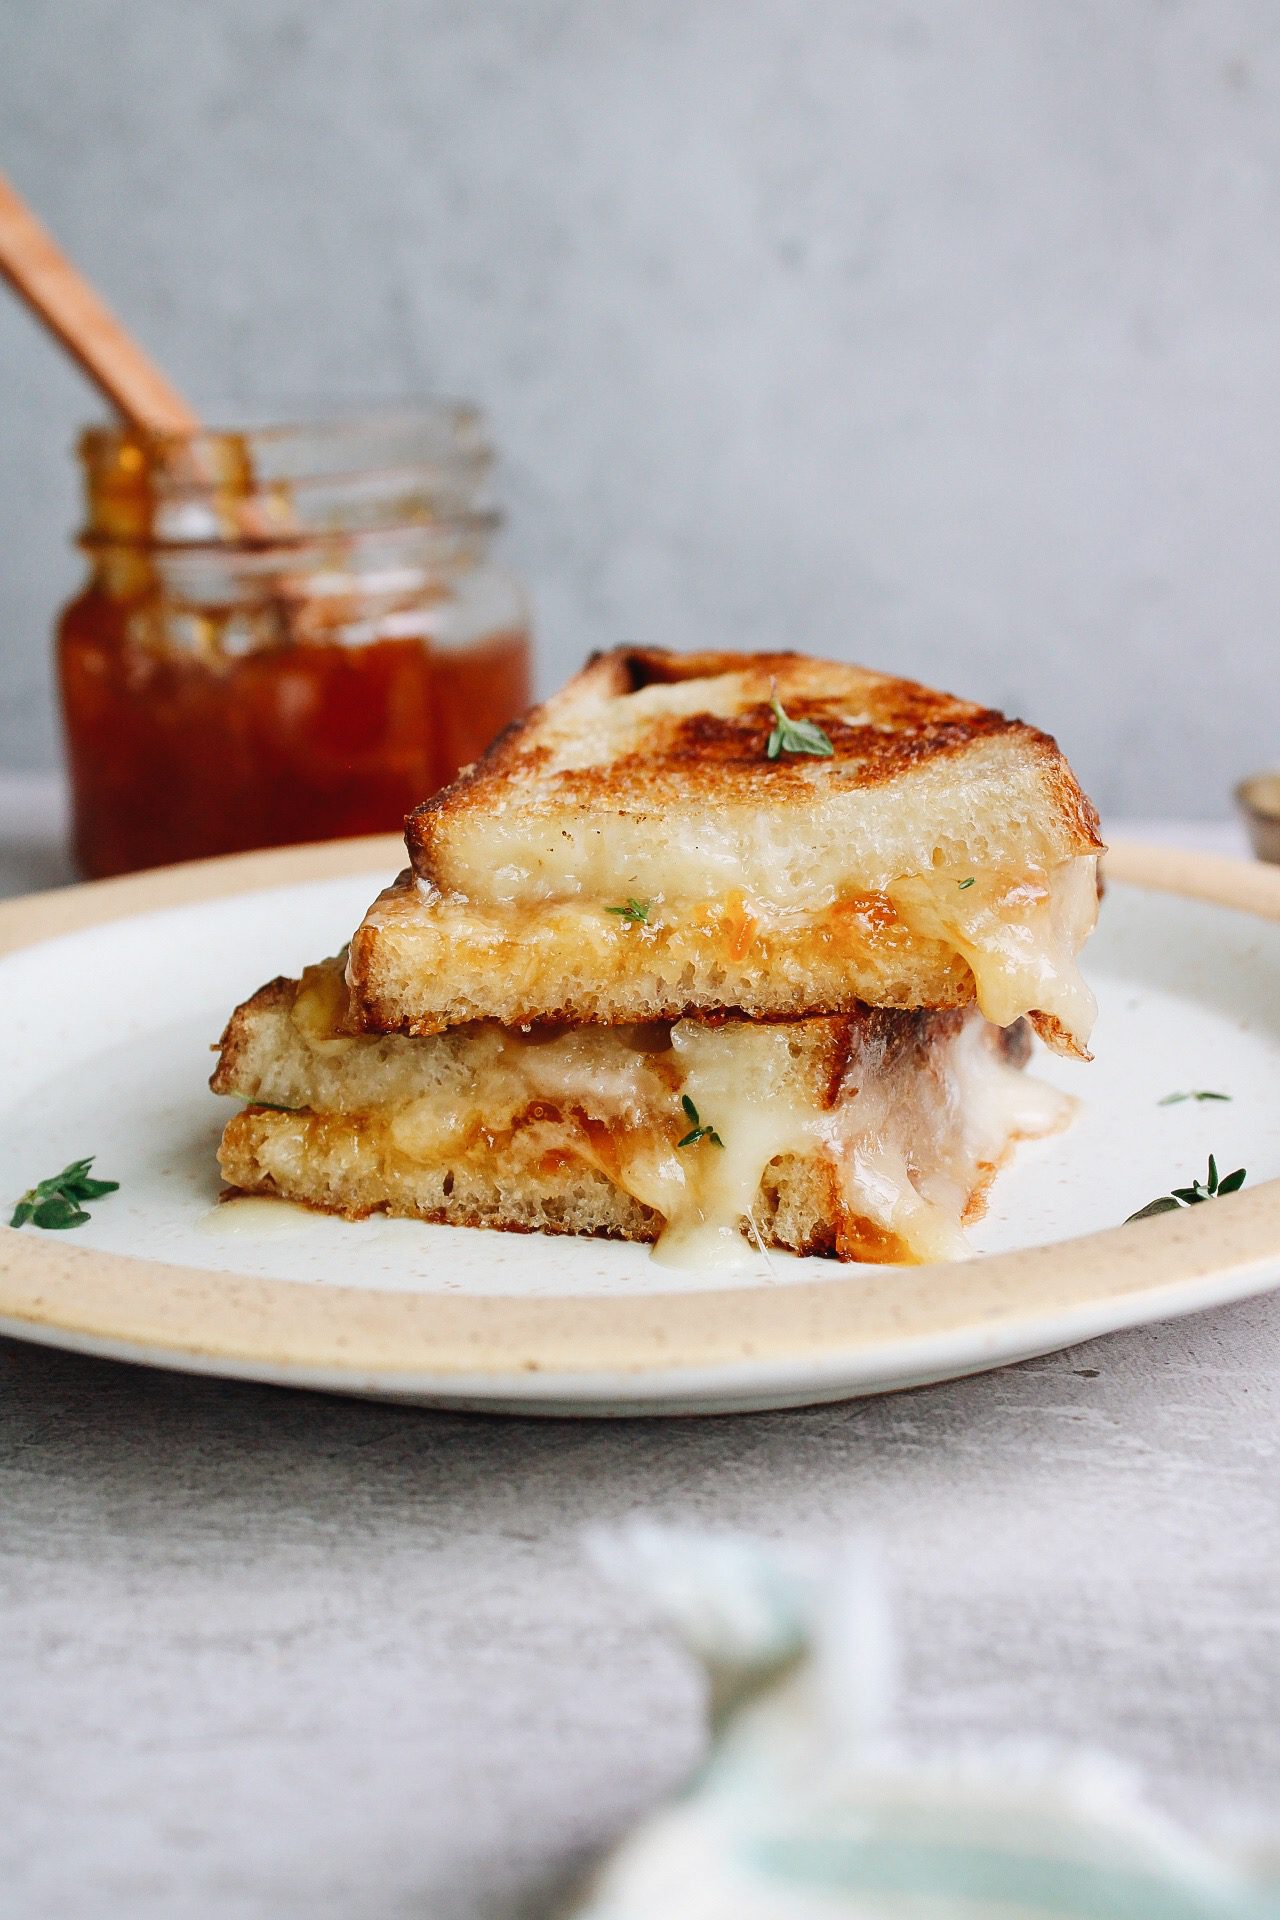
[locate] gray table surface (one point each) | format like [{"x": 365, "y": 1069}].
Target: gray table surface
[{"x": 271, "y": 1654}]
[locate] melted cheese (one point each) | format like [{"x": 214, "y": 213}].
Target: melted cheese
[
  {"x": 731, "y": 1074},
  {"x": 911, "y": 1156},
  {"x": 1017, "y": 934},
  {"x": 910, "y": 1150},
  {"x": 910, "y": 1142}
]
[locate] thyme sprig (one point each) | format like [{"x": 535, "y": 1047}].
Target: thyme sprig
[
  {"x": 635, "y": 913},
  {"x": 698, "y": 1131},
  {"x": 795, "y": 736},
  {"x": 58, "y": 1203},
  {"x": 1211, "y": 1189}
]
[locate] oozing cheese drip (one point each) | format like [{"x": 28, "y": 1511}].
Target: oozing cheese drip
[
  {"x": 1019, "y": 936},
  {"x": 731, "y": 1075},
  {"x": 910, "y": 1156}
]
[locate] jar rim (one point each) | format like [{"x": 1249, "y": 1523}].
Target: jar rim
[
  {"x": 461, "y": 419},
  {"x": 286, "y": 484}
]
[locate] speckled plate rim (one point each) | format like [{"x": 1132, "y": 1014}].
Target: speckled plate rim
[{"x": 858, "y": 1330}]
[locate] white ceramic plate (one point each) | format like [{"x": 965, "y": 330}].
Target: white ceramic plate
[{"x": 113, "y": 995}]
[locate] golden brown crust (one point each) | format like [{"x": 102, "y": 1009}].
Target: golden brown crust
[
  {"x": 277, "y": 995},
  {"x": 900, "y": 727},
  {"x": 378, "y": 1015},
  {"x": 1055, "y": 1035}
]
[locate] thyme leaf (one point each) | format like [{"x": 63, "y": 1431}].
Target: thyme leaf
[
  {"x": 795, "y": 736},
  {"x": 1211, "y": 1188},
  {"x": 635, "y": 913},
  {"x": 58, "y": 1202},
  {"x": 698, "y": 1131},
  {"x": 1165, "y": 1204},
  {"x": 1173, "y": 1099}
]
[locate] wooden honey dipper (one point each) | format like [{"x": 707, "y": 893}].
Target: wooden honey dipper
[
  {"x": 80, "y": 320},
  {"x": 60, "y": 296}
]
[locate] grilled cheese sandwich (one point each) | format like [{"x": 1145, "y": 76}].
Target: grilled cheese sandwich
[
  {"x": 708, "y": 951},
  {"x": 939, "y": 855}
]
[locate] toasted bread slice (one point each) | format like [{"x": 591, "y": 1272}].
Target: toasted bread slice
[
  {"x": 630, "y": 851},
  {"x": 869, "y": 1135}
]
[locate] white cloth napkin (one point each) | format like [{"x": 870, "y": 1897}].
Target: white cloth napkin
[{"x": 809, "y": 1806}]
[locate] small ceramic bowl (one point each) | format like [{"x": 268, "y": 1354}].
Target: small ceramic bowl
[{"x": 1258, "y": 799}]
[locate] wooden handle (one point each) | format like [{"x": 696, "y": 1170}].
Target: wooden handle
[{"x": 60, "y": 296}]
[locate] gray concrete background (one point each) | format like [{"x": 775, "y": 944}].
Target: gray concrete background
[{"x": 943, "y": 336}]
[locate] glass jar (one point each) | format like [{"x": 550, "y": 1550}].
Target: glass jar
[{"x": 286, "y": 635}]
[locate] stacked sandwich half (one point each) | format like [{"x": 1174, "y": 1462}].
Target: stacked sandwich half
[{"x": 711, "y": 950}]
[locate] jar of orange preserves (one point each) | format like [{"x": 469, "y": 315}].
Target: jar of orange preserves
[{"x": 290, "y": 634}]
